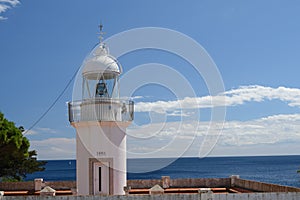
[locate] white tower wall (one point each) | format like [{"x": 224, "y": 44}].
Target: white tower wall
[{"x": 101, "y": 142}]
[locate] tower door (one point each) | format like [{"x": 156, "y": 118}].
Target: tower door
[{"x": 101, "y": 177}]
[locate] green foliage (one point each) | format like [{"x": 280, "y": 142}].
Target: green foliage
[
  {"x": 8, "y": 179},
  {"x": 15, "y": 159}
]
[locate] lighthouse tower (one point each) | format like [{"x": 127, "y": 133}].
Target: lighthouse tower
[{"x": 100, "y": 119}]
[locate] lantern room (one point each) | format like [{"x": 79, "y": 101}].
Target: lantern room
[{"x": 101, "y": 75}]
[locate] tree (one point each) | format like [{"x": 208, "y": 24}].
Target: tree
[{"x": 15, "y": 158}]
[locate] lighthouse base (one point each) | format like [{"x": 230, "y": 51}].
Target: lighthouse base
[{"x": 101, "y": 158}]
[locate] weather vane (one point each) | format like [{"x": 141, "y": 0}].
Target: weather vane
[{"x": 101, "y": 32}]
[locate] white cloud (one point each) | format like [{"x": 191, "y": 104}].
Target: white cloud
[
  {"x": 268, "y": 130},
  {"x": 3, "y": 7},
  {"x": 258, "y": 149},
  {"x": 30, "y": 132},
  {"x": 136, "y": 97},
  {"x": 178, "y": 113},
  {"x": 272, "y": 131},
  {"x": 172, "y": 138},
  {"x": 46, "y": 130},
  {"x": 132, "y": 98},
  {"x": 39, "y": 130},
  {"x": 177, "y": 138},
  {"x": 281, "y": 118},
  {"x": 10, "y": 2},
  {"x": 258, "y": 93},
  {"x": 7, "y": 4},
  {"x": 54, "y": 148},
  {"x": 239, "y": 96}
]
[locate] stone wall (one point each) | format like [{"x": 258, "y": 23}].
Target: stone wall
[
  {"x": 188, "y": 182},
  {"x": 200, "y": 182},
  {"x": 182, "y": 183},
  {"x": 149, "y": 183},
  {"x": 263, "y": 187},
  {"x": 61, "y": 185},
  {"x": 13, "y": 186},
  {"x": 249, "y": 196},
  {"x": 29, "y": 185}
]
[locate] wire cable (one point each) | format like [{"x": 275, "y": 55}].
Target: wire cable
[
  {"x": 54, "y": 102},
  {"x": 57, "y": 98}
]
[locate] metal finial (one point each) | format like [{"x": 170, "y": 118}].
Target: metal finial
[{"x": 101, "y": 32}]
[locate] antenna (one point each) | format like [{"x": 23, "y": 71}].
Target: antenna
[{"x": 101, "y": 32}]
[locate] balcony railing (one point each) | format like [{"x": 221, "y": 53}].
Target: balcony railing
[{"x": 101, "y": 109}]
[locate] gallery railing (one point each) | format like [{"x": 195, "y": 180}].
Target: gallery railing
[{"x": 101, "y": 109}]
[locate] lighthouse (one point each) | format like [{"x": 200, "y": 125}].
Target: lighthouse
[{"x": 100, "y": 118}]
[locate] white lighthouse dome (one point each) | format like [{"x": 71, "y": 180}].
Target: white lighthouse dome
[{"x": 101, "y": 64}]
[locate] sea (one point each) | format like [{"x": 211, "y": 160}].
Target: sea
[{"x": 271, "y": 169}]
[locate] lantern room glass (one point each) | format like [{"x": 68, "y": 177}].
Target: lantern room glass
[{"x": 106, "y": 86}]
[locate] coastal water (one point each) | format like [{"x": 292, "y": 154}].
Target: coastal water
[{"x": 272, "y": 169}]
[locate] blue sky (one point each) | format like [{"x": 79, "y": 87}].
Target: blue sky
[{"x": 255, "y": 45}]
